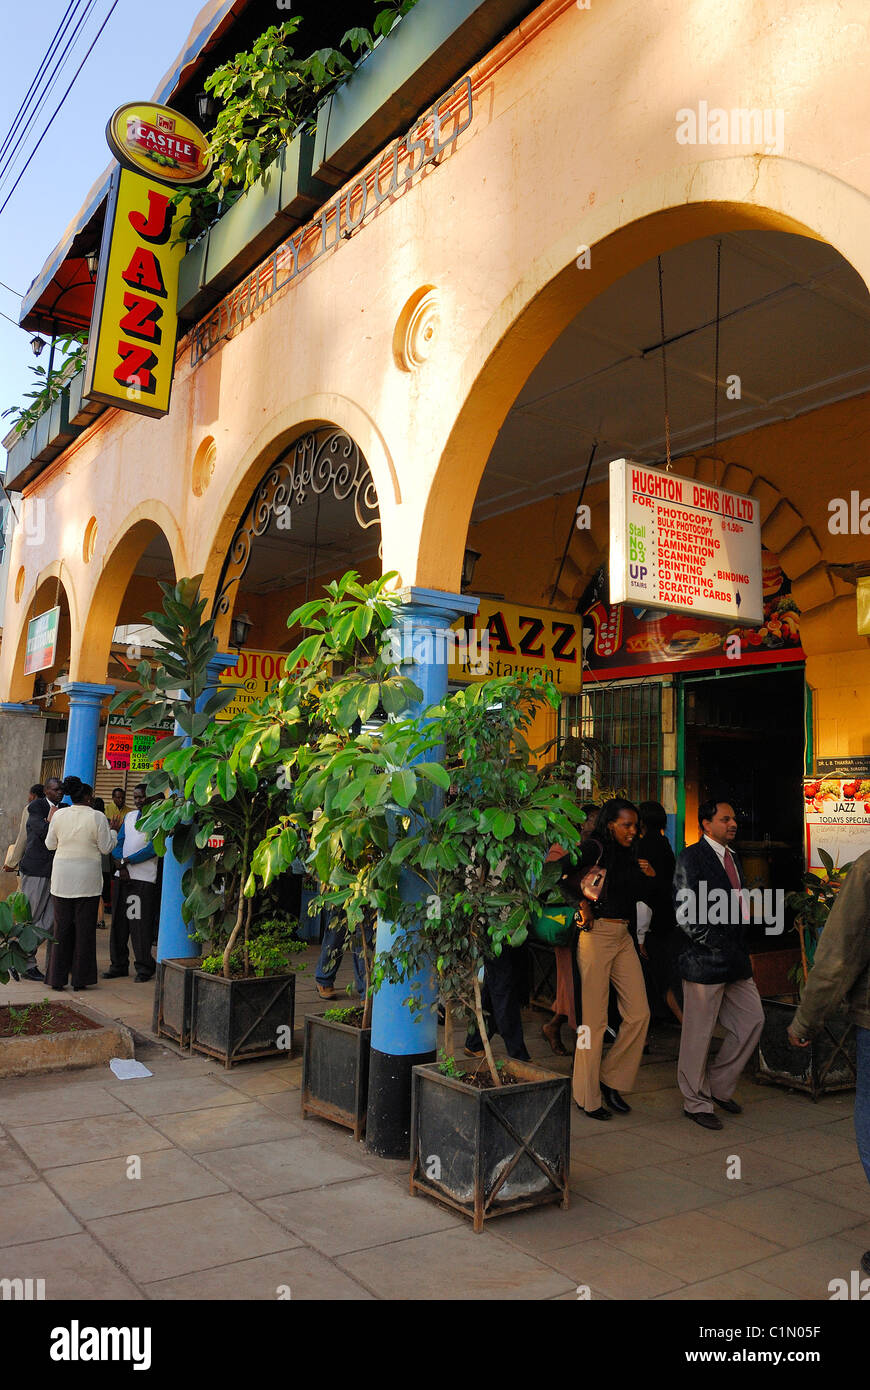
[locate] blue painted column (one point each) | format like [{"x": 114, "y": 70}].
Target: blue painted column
[
  {"x": 173, "y": 942},
  {"x": 83, "y": 727},
  {"x": 402, "y": 1040}
]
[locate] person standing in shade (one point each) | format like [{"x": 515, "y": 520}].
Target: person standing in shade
[
  {"x": 134, "y": 914},
  {"x": 606, "y": 954},
  {"x": 106, "y": 896},
  {"x": 715, "y": 969},
  {"x": 119, "y": 808},
  {"x": 841, "y": 969},
  {"x": 80, "y": 836},
  {"x": 33, "y": 861},
  {"x": 657, "y": 949}
]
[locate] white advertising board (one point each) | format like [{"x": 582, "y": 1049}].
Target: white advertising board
[
  {"x": 837, "y": 818},
  {"x": 683, "y": 545}
]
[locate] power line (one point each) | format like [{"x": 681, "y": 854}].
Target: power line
[
  {"x": 10, "y": 289},
  {"x": 58, "y": 107},
  {"x": 46, "y": 58},
  {"x": 21, "y": 137}
]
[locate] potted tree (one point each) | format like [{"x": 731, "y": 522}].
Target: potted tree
[
  {"x": 491, "y": 1138},
  {"x": 235, "y": 1000},
  {"x": 334, "y": 749},
  {"x": 19, "y": 936},
  {"x": 829, "y": 1063}
]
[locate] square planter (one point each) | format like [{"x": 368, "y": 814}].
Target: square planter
[
  {"x": 173, "y": 998},
  {"x": 235, "y": 1020},
  {"x": 828, "y": 1064},
  {"x": 489, "y": 1152},
  {"x": 335, "y": 1072}
]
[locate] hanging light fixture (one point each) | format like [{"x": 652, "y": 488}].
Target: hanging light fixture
[
  {"x": 37, "y": 344},
  {"x": 205, "y": 107},
  {"x": 239, "y": 629},
  {"x": 469, "y": 564},
  {"x": 93, "y": 262}
]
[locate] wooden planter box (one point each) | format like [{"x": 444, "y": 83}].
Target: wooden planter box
[
  {"x": 335, "y": 1072},
  {"x": 235, "y": 1020},
  {"x": 771, "y": 971},
  {"x": 487, "y": 1153},
  {"x": 828, "y": 1064},
  {"x": 173, "y": 998}
]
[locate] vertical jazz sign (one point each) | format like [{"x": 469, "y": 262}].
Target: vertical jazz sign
[{"x": 131, "y": 348}]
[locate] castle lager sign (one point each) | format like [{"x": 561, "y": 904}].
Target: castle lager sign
[
  {"x": 683, "y": 545},
  {"x": 134, "y": 327}
]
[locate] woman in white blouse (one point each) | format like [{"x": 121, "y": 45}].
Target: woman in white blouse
[{"x": 80, "y": 836}]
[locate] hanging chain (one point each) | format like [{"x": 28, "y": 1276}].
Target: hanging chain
[
  {"x": 716, "y": 349},
  {"x": 664, "y": 368}
]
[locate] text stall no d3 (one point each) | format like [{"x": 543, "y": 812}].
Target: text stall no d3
[
  {"x": 684, "y": 546},
  {"x": 131, "y": 348}
]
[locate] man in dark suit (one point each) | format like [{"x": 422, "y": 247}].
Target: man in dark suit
[{"x": 714, "y": 966}]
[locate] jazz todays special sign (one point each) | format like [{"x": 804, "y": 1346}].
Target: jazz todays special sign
[
  {"x": 682, "y": 545},
  {"x": 134, "y": 326}
]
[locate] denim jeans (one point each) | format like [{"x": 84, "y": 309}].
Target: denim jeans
[
  {"x": 862, "y": 1098},
  {"x": 331, "y": 952}
]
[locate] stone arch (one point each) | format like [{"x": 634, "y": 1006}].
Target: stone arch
[
  {"x": 289, "y": 425},
  {"x": 749, "y": 192},
  {"x": 50, "y": 582},
  {"x": 90, "y": 656}
]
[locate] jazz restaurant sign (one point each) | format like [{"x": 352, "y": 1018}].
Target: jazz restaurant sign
[
  {"x": 684, "y": 546},
  {"x": 508, "y": 639},
  {"x": 131, "y": 349}
]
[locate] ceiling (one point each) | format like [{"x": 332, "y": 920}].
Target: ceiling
[{"x": 795, "y": 326}]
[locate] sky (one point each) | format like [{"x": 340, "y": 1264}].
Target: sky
[{"x": 134, "y": 51}]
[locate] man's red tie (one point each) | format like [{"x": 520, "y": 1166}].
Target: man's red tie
[{"x": 734, "y": 880}]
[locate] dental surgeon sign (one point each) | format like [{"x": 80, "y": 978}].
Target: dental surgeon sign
[
  {"x": 683, "y": 545},
  {"x": 134, "y": 327}
]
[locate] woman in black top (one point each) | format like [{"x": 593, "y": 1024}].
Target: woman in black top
[{"x": 606, "y": 954}]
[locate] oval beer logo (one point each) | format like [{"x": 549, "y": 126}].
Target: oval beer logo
[{"x": 159, "y": 142}]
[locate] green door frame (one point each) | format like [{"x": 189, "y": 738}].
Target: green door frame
[{"x": 684, "y": 678}]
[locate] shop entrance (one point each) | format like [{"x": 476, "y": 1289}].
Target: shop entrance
[{"x": 743, "y": 740}]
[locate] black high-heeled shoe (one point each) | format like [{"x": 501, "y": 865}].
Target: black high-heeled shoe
[{"x": 599, "y": 1114}]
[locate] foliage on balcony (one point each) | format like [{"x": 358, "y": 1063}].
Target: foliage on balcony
[
  {"x": 74, "y": 347},
  {"x": 266, "y": 95}
]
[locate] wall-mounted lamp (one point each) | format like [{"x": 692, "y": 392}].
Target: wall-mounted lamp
[
  {"x": 205, "y": 107},
  {"x": 469, "y": 563},
  {"x": 239, "y": 629}
]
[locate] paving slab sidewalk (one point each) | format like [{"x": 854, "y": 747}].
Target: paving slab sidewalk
[{"x": 200, "y": 1183}]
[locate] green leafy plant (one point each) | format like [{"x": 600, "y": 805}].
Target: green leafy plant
[
  {"x": 266, "y": 95},
  {"x": 74, "y": 350},
  {"x": 19, "y": 936},
  {"x": 812, "y": 905},
  {"x": 349, "y": 1015}
]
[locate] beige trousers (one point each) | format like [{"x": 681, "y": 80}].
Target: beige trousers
[
  {"x": 607, "y": 954},
  {"x": 737, "y": 1008}
]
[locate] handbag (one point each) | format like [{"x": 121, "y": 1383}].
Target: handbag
[
  {"x": 592, "y": 882},
  {"x": 554, "y": 927}
]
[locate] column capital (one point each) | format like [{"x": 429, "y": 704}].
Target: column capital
[
  {"x": 84, "y": 693},
  {"x": 437, "y": 605}
]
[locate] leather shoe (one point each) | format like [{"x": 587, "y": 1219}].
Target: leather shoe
[
  {"x": 705, "y": 1118},
  {"x": 115, "y": 974},
  {"x": 141, "y": 979},
  {"x": 599, "y": 1114},
  {"x": 326, "y": 992},
  {"x": 34, "y": 973},
  {"x": 729, "y": 1106},
  {"x": 865, "y": 1262},
  {"x": 614, "y": 1100}
]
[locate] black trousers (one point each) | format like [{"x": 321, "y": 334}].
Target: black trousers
[
  {"x": 502, "y": 996},
  {"x": 75, "y": 949},
  {"x": 134, "y": 919}
]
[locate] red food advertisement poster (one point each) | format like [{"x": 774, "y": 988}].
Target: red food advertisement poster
[
  {"x": 837, "y": 818},
  {"x": 624, "y": 641}
]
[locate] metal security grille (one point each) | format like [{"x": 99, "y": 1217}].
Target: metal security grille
[{"x": 620, "y": 728}]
